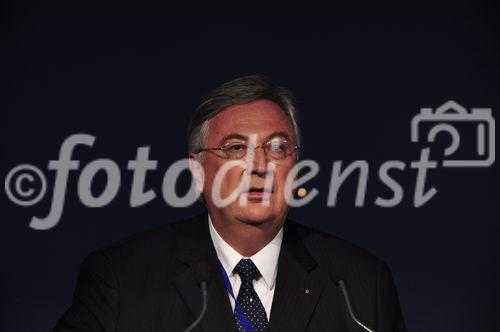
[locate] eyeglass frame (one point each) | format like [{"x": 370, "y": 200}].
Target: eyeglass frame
[{"x": 263, "y": 146}]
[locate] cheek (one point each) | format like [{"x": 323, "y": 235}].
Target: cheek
[
  {"x": 281, "y": 180},
  {"x": 210, "y": 173},
  {"x": 229, "y": 181},
  {"x": 232, "y": 179}
]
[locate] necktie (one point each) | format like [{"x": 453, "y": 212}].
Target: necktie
[{"x": 248, "y": 298}]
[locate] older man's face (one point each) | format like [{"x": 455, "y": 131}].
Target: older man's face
[{"x": 265, "y": 121}]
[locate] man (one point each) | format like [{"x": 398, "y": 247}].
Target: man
[{"x": 261, "y": 272}]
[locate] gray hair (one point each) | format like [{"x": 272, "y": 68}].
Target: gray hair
[{"x": 239, "y": 91}]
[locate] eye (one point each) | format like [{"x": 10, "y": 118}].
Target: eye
[
  {"x": 277, "y": 145},
  {"x": 236, "y": 147}
]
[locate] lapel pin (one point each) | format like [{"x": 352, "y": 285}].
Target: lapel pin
[{"x": 307, "y": 291}]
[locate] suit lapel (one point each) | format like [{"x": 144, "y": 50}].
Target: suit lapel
[
  {"x": 197, "y": 260},
  {"x": 297, "y": 289}
]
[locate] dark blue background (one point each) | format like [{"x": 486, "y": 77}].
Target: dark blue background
[{"x": 131, "y": 74}]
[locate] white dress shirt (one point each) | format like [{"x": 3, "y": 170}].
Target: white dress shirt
[{"x": 266, "y": 261}]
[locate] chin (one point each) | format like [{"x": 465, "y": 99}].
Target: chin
[{"x": 253, "y": 216}]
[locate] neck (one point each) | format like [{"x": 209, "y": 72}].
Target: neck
[{"x": 246, "y": 238}]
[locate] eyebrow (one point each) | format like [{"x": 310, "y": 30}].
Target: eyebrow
[
  {"x": 283, "y": 134},
  {"x": 229, "y": 136},
  {"x": 232, "y": 136}
]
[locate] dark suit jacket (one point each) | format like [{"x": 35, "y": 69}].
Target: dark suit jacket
[{"x": 151, "y": 283}]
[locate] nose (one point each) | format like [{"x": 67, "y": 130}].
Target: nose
[{"x": 259, "y": 164}]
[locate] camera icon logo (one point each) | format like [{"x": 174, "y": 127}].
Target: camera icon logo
[{"x": 445, "y": 117}]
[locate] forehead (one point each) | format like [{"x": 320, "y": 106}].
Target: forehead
[{"x": 261, "y": 117}]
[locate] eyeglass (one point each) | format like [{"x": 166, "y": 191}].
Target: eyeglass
[{"x": 275, "y": 149}]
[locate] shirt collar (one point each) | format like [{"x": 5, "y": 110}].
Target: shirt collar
[{"x": 266, "y": 260}]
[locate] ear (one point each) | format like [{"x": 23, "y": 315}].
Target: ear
[{"x": 197, "y": 171}]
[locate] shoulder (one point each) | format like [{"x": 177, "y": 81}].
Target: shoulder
[
  {"x": 148, "y": 248},
  {"x": 340, "y": 257},
  {"x": 366, "y": 278}
]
